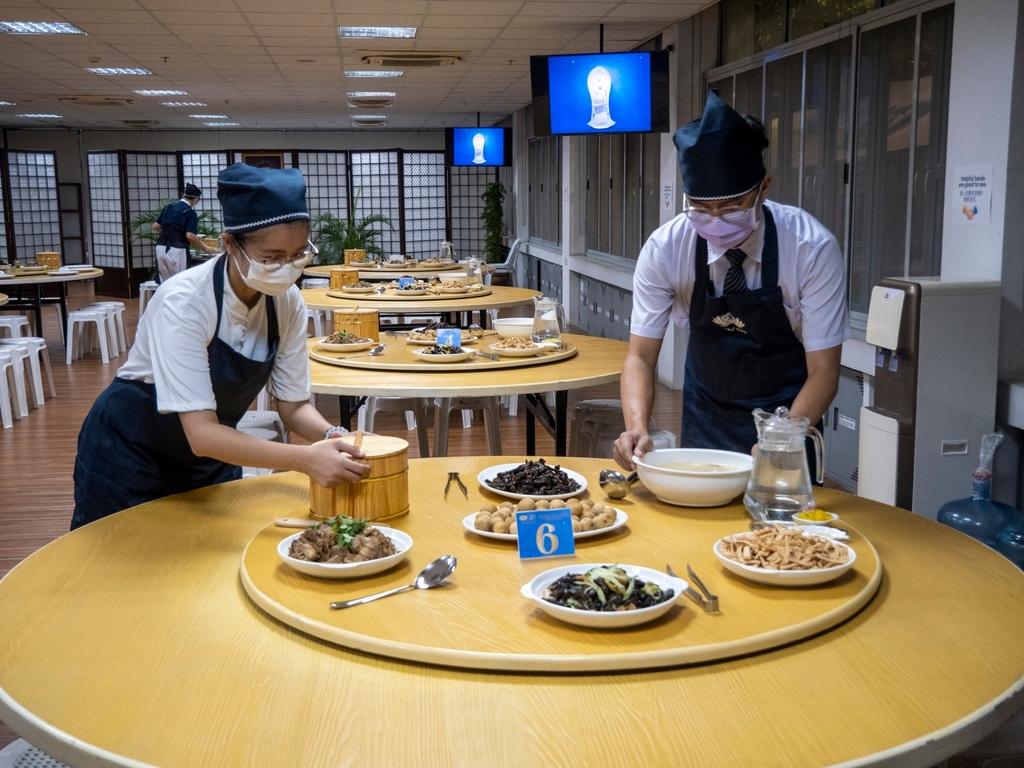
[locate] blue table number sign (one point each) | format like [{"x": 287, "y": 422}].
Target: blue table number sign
[
  {"x": 405, "y": 282},
  {"x": 545, "y": 533},
  {"x": 449, "y": 336}
]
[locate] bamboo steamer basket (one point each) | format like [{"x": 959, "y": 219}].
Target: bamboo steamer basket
[
  {"x": 342, "y": 276},
  {"x": 358, "y": 322},
  {"x": 354, "y": 254},
  {"x": 49, "y": 259},
  {"x": 382, "y": 494}
]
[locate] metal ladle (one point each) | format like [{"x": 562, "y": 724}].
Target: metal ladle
[
  {"x": 434, "y": 575},
  {"x": 615, "y": 485}
]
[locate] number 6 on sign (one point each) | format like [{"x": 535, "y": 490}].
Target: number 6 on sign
[{"x": 545, "y": 533}]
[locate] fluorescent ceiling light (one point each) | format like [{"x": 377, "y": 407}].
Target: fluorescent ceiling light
[
  {"x": 41, "y": 115},
  {"x": 39, "y": 28},
  {"x": 217, "y": 124},
  {"x": 118, "y": 71},
  {"x": 371, "y": 94},
  {"x": 369, "y": 117},
  {"x": 183, "y": 103},
  {"x": 377, "y": 31},
  {"x": 373, "y": 73},
  {"x": 7, "y": 104},
  {"x": 161, "y": 93},
  {"x": 209, "y": 117}
]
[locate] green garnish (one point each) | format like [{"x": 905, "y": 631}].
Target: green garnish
[{"x": 346, "y": 529}]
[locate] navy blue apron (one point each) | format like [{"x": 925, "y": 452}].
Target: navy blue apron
[
  {"x": 742, "y": 355},
  {"x": 130, "y": 453}
]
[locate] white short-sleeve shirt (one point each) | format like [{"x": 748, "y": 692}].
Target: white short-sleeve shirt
[
  {"x": 811, "y": 276},
  {"x": 179, "y": 323}
]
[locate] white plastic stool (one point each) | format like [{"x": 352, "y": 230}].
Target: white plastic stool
[
  {"x": 146, "y": 291},
  {"x": 77, "y": 321},
  {"x": 492, "y": 414},
  {"x": 37, "y": 351},
  {"x": 318, "y": 316},
  {"x": 412, "y": 406},
  {"x": 6, "y": 387},
  {"x": 110, "y": 314},
  {"x": 16, "y": 375},
  {"x": 269, "y": 420},
  {"x": 118, "y": 317},
  {"x": 260, "y": 434},
  {"x": 21, "y": 754},
  {"x": 16, "y": 325}
]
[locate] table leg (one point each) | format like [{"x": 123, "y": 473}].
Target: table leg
[
  {"x": 349, "y": 406},
  {"x": 554, "y": 424},
  {"x": 561, "y": 409},
  {"x": 39, "y": 310},
  {"x": 531, "y": 430},
  {"x": 64, "y": 309}
]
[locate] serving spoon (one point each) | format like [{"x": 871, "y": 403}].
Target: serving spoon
[
  {"x": 378, "y": 350},
  {"x": 434, "y": 575},
  {"x": 615, "y": 484}
]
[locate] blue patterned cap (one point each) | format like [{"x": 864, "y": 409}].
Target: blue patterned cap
[
  {"x": 254, "y": 198},
  {"x": 720, "y": 155}
]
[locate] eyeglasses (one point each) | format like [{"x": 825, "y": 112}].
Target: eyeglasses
[
  {"x": 701, "y": 214},
  {"x": 305, "y": 257}
]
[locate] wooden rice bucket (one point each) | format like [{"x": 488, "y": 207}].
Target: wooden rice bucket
[
  {"x": 382, "y": 494},
  {"x": 354, "y": 254},
  {"x": 342, "y": 276},
  {"x": 359, "y": 322},
  {"x": 49, "y": 259}
]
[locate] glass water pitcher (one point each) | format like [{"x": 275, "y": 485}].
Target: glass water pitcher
[
  {"x": 780, "y": 482},
  {"x": 545, "y": 319}
]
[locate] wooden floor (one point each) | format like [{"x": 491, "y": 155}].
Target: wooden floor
[{"x": 36, "y": 489}]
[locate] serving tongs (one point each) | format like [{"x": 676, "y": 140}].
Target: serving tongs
[
  {"x": 462, "y": 486},
  {"x": 707, "y": 601}
]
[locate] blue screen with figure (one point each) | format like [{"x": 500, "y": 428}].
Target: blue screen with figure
[
  {"x": 600, "y": 93},
  {"x": 477, "y": 146}
]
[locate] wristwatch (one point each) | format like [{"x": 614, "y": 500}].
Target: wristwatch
[{"x": 334, "y": 432}]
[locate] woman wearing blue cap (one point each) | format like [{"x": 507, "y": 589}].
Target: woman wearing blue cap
[
  {"x": 760, "y": 285},
  {"x": 211, "y": 339},
  {"x": 178, "y": 228}
]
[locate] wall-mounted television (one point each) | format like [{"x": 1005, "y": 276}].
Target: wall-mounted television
[
  {"x": 600, "y": 93},
  {"x": 478, "y": 147}
]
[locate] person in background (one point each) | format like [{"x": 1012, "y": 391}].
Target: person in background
[
  {"x": 210, "y": 340},
  {"x": 760, "y": 285},
  {"x": 178, "y": 227}
]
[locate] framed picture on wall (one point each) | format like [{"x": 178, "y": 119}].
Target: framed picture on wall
[{"x": 264, "y": 159}]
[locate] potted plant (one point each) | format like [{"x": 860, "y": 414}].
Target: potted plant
[
  {"x": 492, "y": 217},
  {"x": 336, "y": 235}
]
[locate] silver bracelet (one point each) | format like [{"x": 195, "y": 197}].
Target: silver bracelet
[{"x": 332, "y": 431}]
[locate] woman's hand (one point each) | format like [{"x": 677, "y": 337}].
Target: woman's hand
[
  {"x": 333, "y": 462},
  {"x": 631, "y": 444}
]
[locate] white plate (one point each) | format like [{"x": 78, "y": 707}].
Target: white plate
[
  {"x": 4, "y": 275},
  {"x": 620, "y": 520},
  {"x": 491, "y": 472},
  {"x": 456, "y": 358},
  {"x": 346, "y": 347},
  {"x": 786, "y": 578},
  {"x": 80, "y": 267},
  {"x": 537, "y": 349},
  {"x": 61, "y": 272},
  {"x": 410, "y": 291},
  {"x": 357, "y": 289},
  {"x": 453, "y": 291},
  {"x": 402, "y": 541},
  {"x": 598, "y": 619}
]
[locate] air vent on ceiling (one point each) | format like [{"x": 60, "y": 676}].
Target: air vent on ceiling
[
  {"x": 364, "y": 123},
  {"x": 97, "y": 101},
  {"x": 411, "y": 59},
  {"x": 371, "y": 103},
  {"x": 141, "y": 123}
]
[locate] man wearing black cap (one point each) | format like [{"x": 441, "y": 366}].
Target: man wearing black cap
[
  {"x": 178, "y": 226},
  {"x": 760, "y": 285}
]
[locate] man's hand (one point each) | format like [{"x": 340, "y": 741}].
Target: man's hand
[
  {"x": 630, "y": 445},
  {"x": 332, "y": 463}
]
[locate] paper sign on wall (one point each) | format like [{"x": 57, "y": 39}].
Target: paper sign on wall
[
  {"x": 973, "y": 198},
  {"x": 668, "y": 197}
]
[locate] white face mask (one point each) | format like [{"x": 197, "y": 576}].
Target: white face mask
[
  {"x": 273, "y": 279},
  {"x": 729, "y": 229}
]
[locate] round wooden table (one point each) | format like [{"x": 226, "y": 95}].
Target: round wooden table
[
  {"x": 323, "y": 271},
  {"x": 37, "y": 300},
  {"x": 131, "y": 642},
  {"x": 598, "y": 361},
  {"x": 3, "y": 299}
]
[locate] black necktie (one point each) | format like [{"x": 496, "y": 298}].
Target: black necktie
[{"x": 735, "y": 282}]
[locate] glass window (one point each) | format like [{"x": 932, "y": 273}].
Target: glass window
[
  {"x": 783, "y": 107},
  {"x": 807, "y": 16},
  {"x": 748, "y": 93},
  {"x": 751, "y": 26},
  {"x": 544, "y": 188}
]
